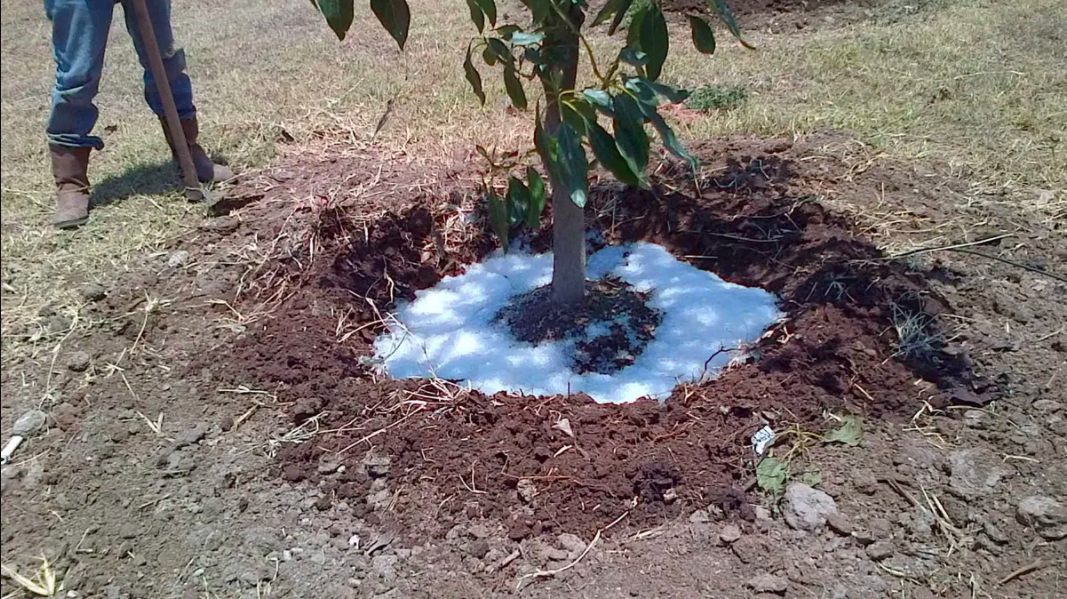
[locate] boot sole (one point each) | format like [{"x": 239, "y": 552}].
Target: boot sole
[{"x": 73, "y": 223}]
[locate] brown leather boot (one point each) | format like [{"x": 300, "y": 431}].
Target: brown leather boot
[
  {"x": 70, "y": 167},
  {"x": 206, "y": 169}
]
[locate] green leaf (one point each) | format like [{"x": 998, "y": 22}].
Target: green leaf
[
  {"x": 607, "y": 152},
  {"x": 395, "y": 16},
  {"x": 514, "y": 86},
  {"x": 505, "y": 31},
  {"x": 520, "y": 38},
  {"x": 537, "y": 198},
  {"x": 812, "y": 478},
  {"x": 606, "y": 12},
  {"x": 576, "y": 112},
  {"x": 498, "y": 218},
  {"x": 573, "y": 169},
  {"x": 601, "y": 99},
  {"x": 672, "y": 94},
  {"x": 489, "y": 8},
  {"x": 477, "y": 16},
  {"x": 670, "y": 141},
  {"x": 518, "y": 200},
  {"x": 540, "y": 9},
  {"x": 727, "y": 17},
  {"x": 620, "y": 14},
  {"x": 473, "y": 76},
  {"x": 630, "y": 136},
  {"x": 633, "y": 57},
  {"x": 654, "y": 41},
  {"x": 703, "y": 37},
  {"x": 339, "y": 15},
  {"x": 771, "y": 475},
  {"x": 547, "y": 148},
  {"x": 849, "y": 432},
  {"x": 503, "y": 53},
  {"x": 633, "y": 33}
]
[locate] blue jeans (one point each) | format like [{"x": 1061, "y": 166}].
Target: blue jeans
[{"x": 79, "y": 37}]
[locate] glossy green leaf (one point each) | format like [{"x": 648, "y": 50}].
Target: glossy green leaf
[
  {"x": 489, "y": 56},
  {"x": 518, "y": 200},
  {"x": 489, "y": 8},
  {"x": 537, "y": 198},
  {"x": 633, "y": 33},
  {"x": 395, "y": 16},
  {"x": 339, "y": 15},
  {"x": 505, "y": 31},
  {"x": 648, "y": 92},
  {"x": 547, "y": 148},
  {"x": 624, "y": 7},
  {"x": 539, "y": 9},
  {"x": 514, "y": 86},
  {"x": 473, "y": 77},
  {"x": 573, "y": 168},
  {"x": 630, "y": 136},
  {"x": 606, "y": 12},
  {"x": 477, "y": 16},
  {"x": 500, "y": 49},
  {"x": 600, "y": 99},
  {"x": 498, "y": 218},
  {"x": 703, "y": 37},
  {"x": 577, "y": 112},
  {"x": 727, "y": 17},
  {"x": 633, "y": 57},
  {"x": 607, "y": 152},
  {"x": 670, "y": 141},
  {"x": 655, "y": 41},
  {"x": 520, "y": 38}
]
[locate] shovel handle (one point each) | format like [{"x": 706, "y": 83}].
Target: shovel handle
[{"x": 193, "y": 190}]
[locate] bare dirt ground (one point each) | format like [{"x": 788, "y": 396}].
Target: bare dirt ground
[
  {"x": 219, "y": 432},
  {"x": 222, "y": 437}
]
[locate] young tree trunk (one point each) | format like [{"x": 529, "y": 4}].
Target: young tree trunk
[{"x": 568, "y": 220}]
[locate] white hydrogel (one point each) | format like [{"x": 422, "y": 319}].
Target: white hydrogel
[{"x": 447, "y": 330}]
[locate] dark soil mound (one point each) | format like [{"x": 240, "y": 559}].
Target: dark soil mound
[{"x": 458, "y": 454}]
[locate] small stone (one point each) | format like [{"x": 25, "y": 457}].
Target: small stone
[
  {"x": 768, "y": 583},
  {"x": 670, "y": 496},
  {"x": 994, "y": 533},
  {"x": 29, "y": 423},
  {"x": 78, "y": 361},
  {"x": 93, "y": 292},
  {"x": 479, "y": 548},
  {"x": 190, "y": 436},
  {"x": 527, "y": 490},
  {"x": 974, "y": 418},
  {"x": 178, "y": 258},
  {"x": 839, "y": 524},
  {"x": 328, "y": 464},
  {"x": 730, "y": 534},
  {"x": 880, "y": 550},
  {"x": 385, "y": 567},
  {"x": 1045, "y": 515},
  {"x": 226, "y": 424},
  {"x": 865, "y": 483},
  {"x": 572, "y": 543},
  {"x": 377, "y": 466},
  {"x": 1046, "y": 406},
  {"x": 698, "y": 517},
  {"x": 806, "y": 508},
  {"x": 554, "y": 554},
  {"x": 974, "y": 473}
]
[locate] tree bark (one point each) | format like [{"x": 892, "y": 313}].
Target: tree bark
[{"x": 568, "y": 220}]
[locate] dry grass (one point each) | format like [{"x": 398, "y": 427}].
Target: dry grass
[{"x": 972, "y": 88}]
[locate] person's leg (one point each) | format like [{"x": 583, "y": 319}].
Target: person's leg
[
  {"x": 79, "y": 37},
  {"x": 180, "y": 85}
]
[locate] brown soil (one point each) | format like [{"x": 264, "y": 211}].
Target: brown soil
[
  {"x": 630, "y": 323},
  {"x": 752, "y": 224},
  {"x": 279, "y": 448}
]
